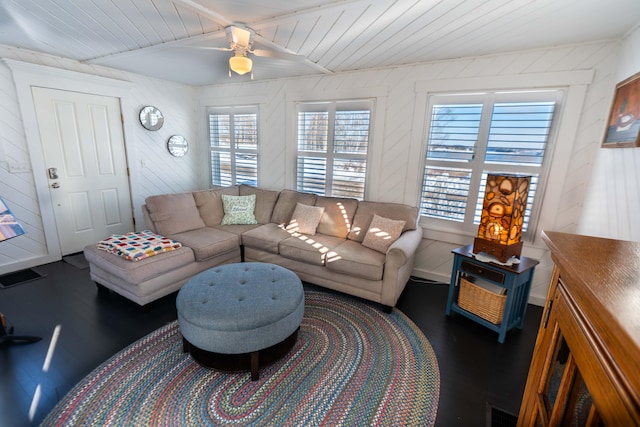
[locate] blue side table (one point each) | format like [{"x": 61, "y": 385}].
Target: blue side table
[{"x": 515, "y": 279}]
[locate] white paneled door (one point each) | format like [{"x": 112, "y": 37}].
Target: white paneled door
[{"x": 86, "y": 165}]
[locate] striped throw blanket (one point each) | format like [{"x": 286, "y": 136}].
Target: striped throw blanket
[{"x": 138, "y": 245}]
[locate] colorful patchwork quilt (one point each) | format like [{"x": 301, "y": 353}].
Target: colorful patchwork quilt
[{"x": 138, "y": 245}]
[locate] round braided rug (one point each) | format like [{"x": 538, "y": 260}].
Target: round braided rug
[{"x": 352, "y": 365}]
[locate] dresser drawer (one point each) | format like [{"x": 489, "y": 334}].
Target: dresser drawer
[{"x": 481, "y": 271}]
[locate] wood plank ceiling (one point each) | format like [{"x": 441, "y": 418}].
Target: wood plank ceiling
[{"x": 163, "y": 38}]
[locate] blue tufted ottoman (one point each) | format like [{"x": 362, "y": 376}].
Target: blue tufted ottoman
[{"x": 240, "y": 316}]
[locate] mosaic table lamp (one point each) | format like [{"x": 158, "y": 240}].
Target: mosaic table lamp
[{"x": 503, "y": 207}]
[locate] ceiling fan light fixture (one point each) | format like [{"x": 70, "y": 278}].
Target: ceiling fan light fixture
[{"x": 240, "y": 64}]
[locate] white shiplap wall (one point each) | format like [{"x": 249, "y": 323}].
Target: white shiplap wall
[
  {"x": 152, "y": 169},
  {"x": 396, "y": 148},
  {"x": 612, "y": 202},
  {"x": 395, "y": 168}
]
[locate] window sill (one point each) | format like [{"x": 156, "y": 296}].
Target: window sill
[
  {"x": 447, "y": 236},
  {"x": 458, "y": 237}
]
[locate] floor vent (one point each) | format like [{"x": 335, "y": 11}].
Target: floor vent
[
  {"x": 19, "y": 277},
  {"x": 500, "y": 418}
]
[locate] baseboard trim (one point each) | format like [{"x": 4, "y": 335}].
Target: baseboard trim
[
  {"x": 28, "y": 263},
  {"x": 440, "y": 278},
  {"x": 424, "y": 274}
]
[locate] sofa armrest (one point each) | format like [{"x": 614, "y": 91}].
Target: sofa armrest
[
  {"x": 401, "y": 257},
  {"x": 404, "y": 247}
]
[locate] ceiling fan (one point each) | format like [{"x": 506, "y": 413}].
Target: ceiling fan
[{"x": 241, "y": 40}]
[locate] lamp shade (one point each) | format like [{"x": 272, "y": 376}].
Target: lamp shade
[
  {"x": 503, "y": 207},
  {"x": 240, "y": 64}
]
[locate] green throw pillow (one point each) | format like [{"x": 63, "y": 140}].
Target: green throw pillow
[{"x": 239, "y": 209}]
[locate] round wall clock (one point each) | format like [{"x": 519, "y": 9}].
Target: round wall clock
[
  {"x": 177, "y": 145},
  {"x": 151, "y": 118}
]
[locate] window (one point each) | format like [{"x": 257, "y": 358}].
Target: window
[
  {"x": 233, "y": 141},
  {"x": 332, "y": 146},
  {"x": 472, "y": 135}
]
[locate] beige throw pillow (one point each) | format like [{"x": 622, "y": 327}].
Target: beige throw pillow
[
  {"x": 305, "y": 219},
  {"x": 286, "y": 203},
  {"x": 382, "y": 233}
]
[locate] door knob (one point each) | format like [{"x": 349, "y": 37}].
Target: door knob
[{"x": 55, "y": 185}]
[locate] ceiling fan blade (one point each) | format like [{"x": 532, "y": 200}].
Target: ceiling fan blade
[
  {"x": 278, "y": 55},
  {"x": 224, "y": 49}
]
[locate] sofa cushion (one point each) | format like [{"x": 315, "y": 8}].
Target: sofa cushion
[
  {"x": 355, "y": 260},
  {"x": 382, "y": 233},
  {"x": 138, "y": 272},
  {"x": 207, "y": 242},
  {"x": 338, "y": 215},
  {"x": 309, "y": 249},
  {"x": 236, "y": 229},
  {"x": 366, "y": 210},
  {"x": 286, "y": 203},
  {"x": 265, "y": 237},
  {"x": 239, "y": 209},
  {"x": 305, "y": 219},
  {"x": 265, "y": 201},
  {"x": 209, "y": 203},
  {"x": 174, "y": 213}
]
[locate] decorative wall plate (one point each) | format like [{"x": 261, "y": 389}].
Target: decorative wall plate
[
  {"x": 151, "y": 118},
  {"x": 177, "y": 145}
]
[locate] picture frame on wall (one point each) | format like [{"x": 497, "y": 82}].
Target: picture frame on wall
[
  {"x": 623, "y": 125},
  {"x": 9, "y": 225}
]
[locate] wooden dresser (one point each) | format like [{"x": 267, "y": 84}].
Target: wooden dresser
[{"x": 586, "y": 363}]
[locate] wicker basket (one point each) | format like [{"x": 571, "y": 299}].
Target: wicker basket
[{"x": 481, "y": 302}]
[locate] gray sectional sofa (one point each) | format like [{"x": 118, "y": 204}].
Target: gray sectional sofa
[{"x": 338, "y": 249}]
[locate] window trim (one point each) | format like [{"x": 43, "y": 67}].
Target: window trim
[
  {"x": 575, "y": 84},
  {"x": 232, "y": 110},
  {"x": 477, "y": 166},
  {"x": 332, "y": 106}
]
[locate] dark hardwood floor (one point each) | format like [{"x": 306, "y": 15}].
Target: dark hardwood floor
[{"x": 475, "y": 370}]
